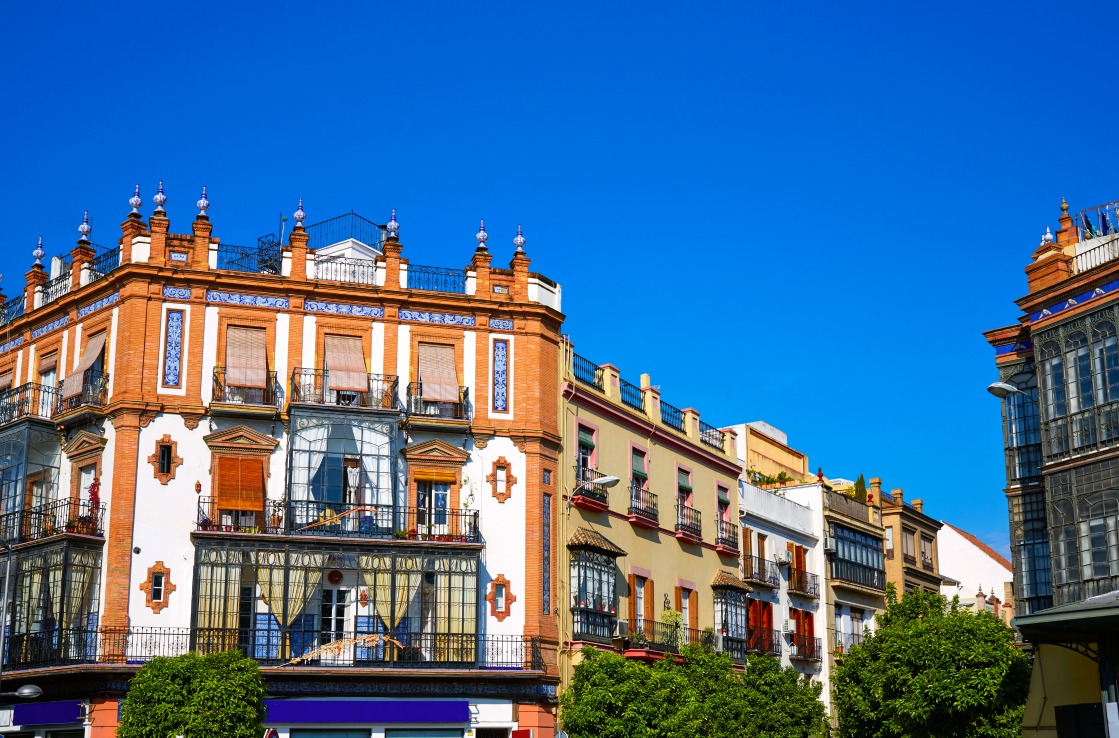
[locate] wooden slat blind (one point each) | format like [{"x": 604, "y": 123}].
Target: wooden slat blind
[
  {"x": 246, "y": 357},
  {"x": 72, "y": 385},
  {"x": 239, "y": 483},
  {"x": 345, "y": 360},
  {"x": 438, "y": 376}
]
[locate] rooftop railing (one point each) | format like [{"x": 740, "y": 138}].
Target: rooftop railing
[
  {"x": 12, "y": 309},
  {"x": 671, "y": 416},
  {"x": 436, "y": 279},
  {"x": 103, "y": 263},
  {"x": 342, "y": 228},
  {"x": 57, "y": 287},
  {"x": 632, "y": 395},
  {"x": 342, "y": 269},
  {"x": 710, "y": 435},
  {"x": 587, "y": 372},
  {"x": 264, "y": 258}
]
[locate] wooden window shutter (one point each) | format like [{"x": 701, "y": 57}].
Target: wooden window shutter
[
  {"x": 345, "y": 360},
  {"x": 438, "y": 376},
  {"x": 679, "y": 600},
  {"x": 761, "y": 547},
  {"x": 747, "y": 548},
  {"x": 693, "y": 610},
  {"x": 246, "y": 357},
  {"x": 5, "y": 380},
  {"x": 650, "y": 608},
  {"x": 800, "y": 558},
  {"x": 240, "y": 483},
  {"x": 632, "y": 598}
]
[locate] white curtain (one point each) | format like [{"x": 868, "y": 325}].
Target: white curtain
[{"x": 310, "y": 452}]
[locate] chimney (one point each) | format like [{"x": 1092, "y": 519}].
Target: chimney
[
  {"x": 919, "y": 505},
  {"x": 899, "y": 496}
]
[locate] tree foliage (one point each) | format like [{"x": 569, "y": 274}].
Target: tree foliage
[
  {"x": 932, "y": 670},
  {"x": 858, "y": 492},
  {"x": 216, "y": 696},
  {"x": 704, "y": 697}
]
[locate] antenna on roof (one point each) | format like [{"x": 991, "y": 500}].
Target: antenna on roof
[{"x": 283, "y": 222}]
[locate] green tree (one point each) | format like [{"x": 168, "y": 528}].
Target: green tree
[
  {"x": 704, "y": 697},
  {"x": 858, "y": 492},
  {"x": 932, "y": 670},
  {"x": 216, "y": 696}
]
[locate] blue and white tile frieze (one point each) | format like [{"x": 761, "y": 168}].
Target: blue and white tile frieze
[
  {"x": 501, "y": 376},
  {"x": 93, "y": 307},
  {"x": 176, "y": 293},
  {"x": 237, "y": 298},
  {"x": 58, "y": 323},
  {"x": 501, "y": 324},
  {"x": 341, "y": 308},
  {"x": 1103, "y": 289},
  {"x": 9, "y": 345},
  {"x": 422, "y": 316},
  {"x": 172, "y": 348}
]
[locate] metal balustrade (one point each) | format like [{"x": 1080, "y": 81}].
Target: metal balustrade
[
  {"x": 419, "y": 405},
  {"x": 631, "y": 395},
  {"x": 52, "y": 519},
  {"x": 57, "y": 287},
  {"x": 93, "y": 394},
  {"x": 236, "y": 394},
  {"x": 671, "y": 416},
  {"x": 804, "y": 583},
  {"x": 585, "y": 485},
  {"x": 688, "y": 521},
  {"x": 343, "y": 269},
  {"x": 710, "y": 435},
  {"x": 642, "y": 502},
  {"x": 757, "y": 570},
  {"x": 28, "y": 400},
  {"x": 436, "y": 279},
  {"x": 342, "y": 228},
  {"x": 763, "y": 640},
  {"x": 587, "y": 372},
  {"x": 726, "y": 533},
  {"x": 312, "y": 387},
  {"x": 805, "y": 648}
]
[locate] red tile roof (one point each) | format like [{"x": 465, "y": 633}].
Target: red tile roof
[{"x": 982, "y": 546}]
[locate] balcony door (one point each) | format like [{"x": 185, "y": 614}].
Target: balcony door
[
  {"x": 432, "y": 501},
  {"x": 337, "y": 620}
]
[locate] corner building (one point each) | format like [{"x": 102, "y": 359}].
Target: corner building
[{"x": 313, "y": 452}]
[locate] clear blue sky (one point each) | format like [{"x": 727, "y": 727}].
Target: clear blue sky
[{"x": 805, "y": 215}]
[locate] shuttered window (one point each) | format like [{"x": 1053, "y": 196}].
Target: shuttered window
[
  {"x": 48, "y": 363},
  {"x": 246, "y": 358},
  {"x": 72, "y": 385},
  {"x": 345, "y": 361},
  {"x": 438, "y": 378},
  {"x": 239, "y": 483},
  {"x": 5, "y": 380}
]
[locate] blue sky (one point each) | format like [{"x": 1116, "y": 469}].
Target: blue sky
[{"x": 803, "y": 214}]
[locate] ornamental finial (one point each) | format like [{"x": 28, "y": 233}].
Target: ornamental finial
[
  {"x": 519, "y": 240},
  {"x": 135, "y": 201},
  {"x": 299, "y": 215},
  {"x": 392, "y": 226},
  {"x": 1046, "y": 237},
  {"x": 203, "y": 204},
  {"x": 85, "y": 228},
  {"x": 38, "y": 253},
  {"x": 160, "y": 199},
  {"x": 482, "y": 236},
  {"x": 1064, "y": 206}
]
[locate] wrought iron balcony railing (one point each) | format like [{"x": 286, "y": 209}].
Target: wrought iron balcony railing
[
  {"x": 28, "y": 401},
  {"x": 104, "y": 263},
  {"x": 275, "y": 647},
  {"x": 710, "y": 435},
  {"x": 312, "y": 387},
  {"x": 688, "y": 521},
  {"x": 757, "y": 570},
  {"x": 671, "y": 416},
  {"x": 586, "y": 486},
  {"x": 587, "y": 372},
  {"x": 726, "y": 534},
  {"x": 342, "y": 269},
  {"x": 436, "y": 279},
  {"x": 236, "y": 394},
  {"x": 53, "y": 518},
  {"x": 12, "y": 309},
  {"x": 57, "y": 287},
  {"x": 264, "y": 258},
  {"x": 844, "y": 641},
  {"x": 342, "y": 228},
  {"x": 805, "y": 648},
  {"x": 93, "y": 394},
  {"x": 593, "y": 623},
  {"x": 427, "y": 407},
  {"x": 763, "y": 640},
  {"x": 631, "y": 395},
  {"x": 804, "y": 583},
  {"x": 642, "y": 502}
]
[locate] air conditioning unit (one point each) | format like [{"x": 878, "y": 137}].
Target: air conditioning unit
[
  {"x": 829, "y": 545},
  {"x": 788, "y": 627},
  {"x": 719, "y": 642},
  {"x": 785, "y": 557},
  {"x": 621, "y": 629}
]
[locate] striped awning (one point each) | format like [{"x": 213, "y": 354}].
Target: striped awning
[
  {"x": 72, "y": 385},
  {"x": 345, "y": 362}
]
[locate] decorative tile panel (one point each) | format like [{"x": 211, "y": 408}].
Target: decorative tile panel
[
  {"x": 172, "y": 348},
  {"x": 176, "y": 293},
  {"x": 95, "y": 306},
  {"x": 9, "y": 345},
  {"x": 1014, "y": 347},
  {"x": 1103, "y": 289},
  {"x": 501, "y": 324},
  {"x": 237, "y": 298},
  {"x": 50, "y": 326},
  {"x": 341, "y": 308},
  {"x": 178, "y": 256},
  {"x": 421, "y": 316},
  {"x": 501, "y": 376},
  {"x": 547, "y": 558}
]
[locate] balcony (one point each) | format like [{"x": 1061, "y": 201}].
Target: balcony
[
  {"x": 588, "y": 494},
  {"x": 264, "y": 258},
  {"x": 338, "y": 520},
  {"x": 103, "y": 263},
  {"x": 312, "y": 387},
  {"x": 344, "y": 269},
  {"x": 763, "y": 640},
  {"x": 237, "y": 399},
  {"x": 735, "y": 648},
  {"x": 726, "y": 537},
  {"x": 595, "y": 624},
  {"x": 422, "y": 408},
  {"x": 844, "y": 505},
  {"x": 28, "y": 401},
  {"x": 927, "y": 563},
  {"x": 757, "y": 570},
  {"x": 344, "y": 228},
  {"x": 436, "y": 279},
  {"x": 845, "y": 641},
  {"x": 711, "y": 436},
  {"x": 805, "y": 648},
  {"x": 671, "y": 416},
  {"x": 12, "y": 309},
  {"x": 804, "y": 583},
  {"x": 689, "y": 527},
  {"x": 57, "y": 287},
  {"x": 855, "y": 573},
  {"x": 586, "y": 372},
  {"x": 651, "y": 638},
  {"x": 53, "y": 519},
  {"x": 631, "y": 394},
  {"x": 89, "y": 400},
  {"x": 642, "y": 505},
  {"x": 273, "y": 647}
]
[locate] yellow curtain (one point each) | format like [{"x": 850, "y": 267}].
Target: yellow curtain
[{"x": 304, "y": 574}]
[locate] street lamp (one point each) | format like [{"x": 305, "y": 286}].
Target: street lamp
[
  {"x": 1002, "y": 389},
  {"x": 607, "y": 480},
  {"x": 27, "y": 692}
]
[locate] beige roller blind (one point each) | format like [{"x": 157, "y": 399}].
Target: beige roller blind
[
  {"x": 345, "y": 360},
  {"x": 437, "y": 373},
  {"x": 48, "y": 362},
  {"x": 246, "y": 358},
  {"x": 72, "y": 385},
  {"x": 6, "y": 381}
]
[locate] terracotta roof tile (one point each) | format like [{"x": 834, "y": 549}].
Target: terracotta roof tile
[
  {"x": 586, "y": 538},
  {"x": 982, "y": 546},
  {"x": 725, "y": 579}
]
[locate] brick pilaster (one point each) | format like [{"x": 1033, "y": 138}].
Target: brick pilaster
[
  {"x": 130, "y": 229},
  {"x": 481, "y": 266},
  {"x": 36, "y": 277},
  {"x": 391, "y": 253},
  {"x": 80, "y": 255},
  {"x": 298, "y": 241},
  {"x": 121, "y": 514},
  {"x": 519, "y": 264},
  {"x": 201, "y": 228}
]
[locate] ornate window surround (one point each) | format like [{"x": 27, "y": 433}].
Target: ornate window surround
[
  {"x": 510, "y": 480},
  {"x": 176, "y": 461},
  {"x": 168, "y": 587},
  {"x": 491, "y": 597}
]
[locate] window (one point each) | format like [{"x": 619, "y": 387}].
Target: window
[
  {"x": 761, "y": 546},
  {"x": 548, "y": 476},
  {"x": 87, "y": 375},
  {"x": 501, "y": 481},
  {"x": 157, "y": 586},
  {"x": 926, "y": 553},
  {"x": 1078, "y": 371},
  {"x": 48, "y": 380},
  {"x": 747, "y": 543},
  {"x": 164, "y": 459},
  {"x": 638, "y": 603},
  {"x": 683, "y": 488},
  {"x": 346, "y": 373},
  {"x": 637, "y": 464},
  {"x": 164, "y": 464},
  {"x": 594, "y": 594},
  {"x": 889, "y": 542},
  {"x": 1052, "y": 381},
  {"x": 499, "y": 598},
  {"x": 246, "y": 376},
  {"x": 439, "y": 392},
  {"x": 432, "y": 502},
  {"x": 723, "y": 498},
  {"x": 730, "y": 613},
  {"x": 908, "y": 546},
  {"x": 239, "y": 488},
  {"x": 858, "y": 558},
  {"x": 687, "y": 601},
  {"x": 1105, "y": 358},
  {"x": 584, "y": 459}
]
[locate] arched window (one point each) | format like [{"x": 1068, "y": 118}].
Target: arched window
[
  {"x": 1052, "y": 381},
  {"x": 1105, "y": 360},
  {"x": 1078, "y": 371}
]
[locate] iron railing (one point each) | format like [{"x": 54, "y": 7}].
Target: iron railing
[
  {"x": 585, "y": 485},
  {"x": 672, "y": 417},
  {"x": 264, "y": 258},
  {"x": 12, "y": 309},
  {"x": 632, "y": 395},
  {"x": 1081, "y": 432},
  {"x": 594, "y": 624},
  {"x": 312, "y": 387},
  {"x": 52, "y": 519},
  {"x": 855, "y": 573},
  {"x": 1097, "y": 255},
  {"x": 94, "y": 393},
  {"x": 57, "y": 287},
  {"x": 211, "y": 517},
  {"x": 804, "y": 583},
  {"x": 436, "y": 279},
  {"x": 418, "y": 405},
  {"x": 441, "y": 525},
  {"x": 103, "y": 263},
  {"x": 735, "y": 648},
  {"x": 805, "y": 648},
  {"x": 233, "y": 394},
  {"x": 710, "y": 435},
  {"x": 726, "y": 533},
  {"x": 587, "y": 372},
  {"x": 843, "y": 504},
  {"x": 342, "y": 269},
  {"x": 763, "y": 640},
  {"x": 642, "y": 502},
  {"x": 276, "y": 647},
  {"x": 28, "y": 400},
  {"x": 343, "y": 227},
  {"x": 688, "y": 521},
  {"x": 845, "y": 641},
  {"x": 759, "y": 571}
]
